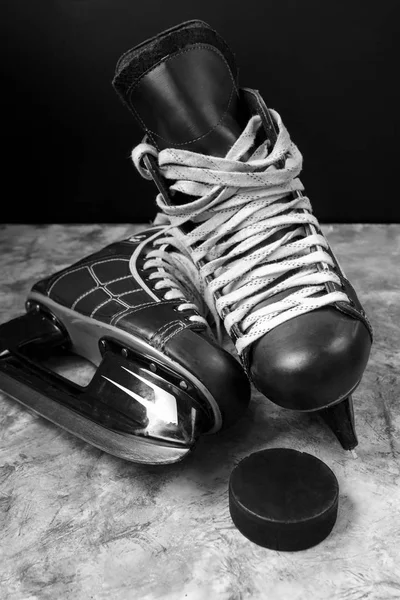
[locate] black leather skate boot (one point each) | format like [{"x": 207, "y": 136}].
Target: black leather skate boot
[
  {"x": 227, "y": 173},
  {"x": 132, "y": 309}
]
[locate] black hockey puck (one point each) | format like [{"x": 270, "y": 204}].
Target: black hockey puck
[{"x": 283, "y": 499}]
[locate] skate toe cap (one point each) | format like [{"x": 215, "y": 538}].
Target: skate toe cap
[{"x": 311, "y": 361}]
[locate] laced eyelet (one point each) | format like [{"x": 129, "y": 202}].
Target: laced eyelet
[
  {"x": 186, "y": 309},
  {"x": 139, "y": 158},
  {"x": 142, "y": 167}
]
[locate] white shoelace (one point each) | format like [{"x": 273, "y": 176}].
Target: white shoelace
[
  {"x": 239, "y": 206},
  {"x": 177, "y": 274}
]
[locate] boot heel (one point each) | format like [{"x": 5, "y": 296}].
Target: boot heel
[
  {"x": 340, "y": 419},
  {"x": 35, "y": 327}
]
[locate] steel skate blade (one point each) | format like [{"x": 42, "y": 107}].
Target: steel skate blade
[
  {"x": 340, "y": 419},
  {"x": 126, "y": 409}
]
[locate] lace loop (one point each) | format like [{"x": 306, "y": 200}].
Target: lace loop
[{"x": 138, "y": 155}]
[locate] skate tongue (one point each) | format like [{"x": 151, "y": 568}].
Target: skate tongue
[{"x": 181, "y": 87}]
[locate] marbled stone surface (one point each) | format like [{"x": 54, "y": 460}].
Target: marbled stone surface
[{"x": 78, "y": 524}]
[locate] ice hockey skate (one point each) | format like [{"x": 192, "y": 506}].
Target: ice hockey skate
[
  {"x": 133, "y": 311},
  {"x": 227, "y": 175}
]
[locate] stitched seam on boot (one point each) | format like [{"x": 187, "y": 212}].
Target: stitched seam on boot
[
  {"x": 141, "y": 307},
  {"x": 158, "y": 340},
  {"x": 165, "y": 328},
  {"x": 173, "y": 334}
]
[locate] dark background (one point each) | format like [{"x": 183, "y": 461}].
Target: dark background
[{"x": 329, "y": 67}]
